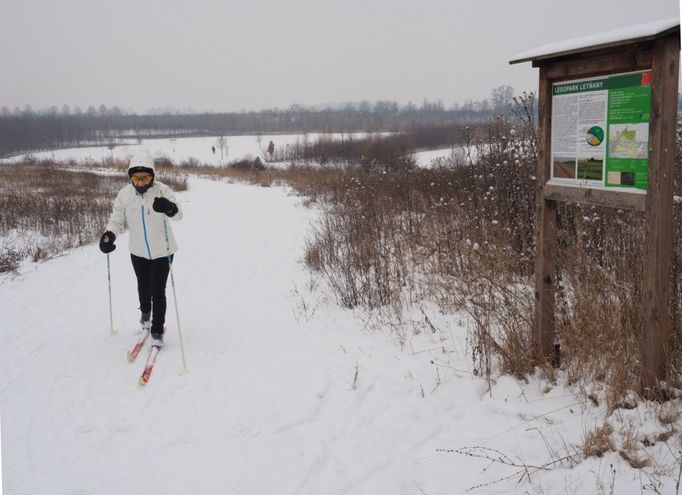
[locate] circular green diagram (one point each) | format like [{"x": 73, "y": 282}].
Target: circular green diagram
[{"x": 595, "y": 136}]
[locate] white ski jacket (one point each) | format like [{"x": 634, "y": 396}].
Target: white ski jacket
[{"x": 148, "y": 228}]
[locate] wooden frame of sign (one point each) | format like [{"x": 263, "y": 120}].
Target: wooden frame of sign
[{"x": 660, "y": 54}]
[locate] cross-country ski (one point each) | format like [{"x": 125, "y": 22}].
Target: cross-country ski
[
  {"x": 132, "y": 354},
  {"x": 149, "y": 365}
]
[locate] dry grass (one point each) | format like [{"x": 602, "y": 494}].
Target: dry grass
[
  {"x": 631, "y": 448},
  {"x": 598, "y": 442}
]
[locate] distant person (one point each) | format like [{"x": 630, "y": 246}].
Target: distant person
[
  {"x": 144, "y": 205},
  {"x": 213, "y": 149}
]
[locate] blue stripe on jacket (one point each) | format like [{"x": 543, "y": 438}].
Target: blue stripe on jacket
[{"x": 144, "y": 229}]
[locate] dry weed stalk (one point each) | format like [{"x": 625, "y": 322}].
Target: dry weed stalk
[{"x": 523, "y": 471}]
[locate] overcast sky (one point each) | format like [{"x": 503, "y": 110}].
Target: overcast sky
[{"x": 251, "y": 54}]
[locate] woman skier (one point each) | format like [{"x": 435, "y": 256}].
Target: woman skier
[{"x": 144, "y": 205}]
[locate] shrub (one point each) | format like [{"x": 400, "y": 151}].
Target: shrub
[{"x": 9, "y": 259}]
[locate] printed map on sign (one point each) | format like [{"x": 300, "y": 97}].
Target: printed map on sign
[{"x": 629, "y": 140}]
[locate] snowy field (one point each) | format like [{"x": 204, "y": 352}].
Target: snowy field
[
  {"x": 201, "y": 149},
  {"x": 179, "y": 149},
  {"x": 286, "y": 393},
  {"x": 457, "y": 154},
  {"x": 183, "y": 149}
]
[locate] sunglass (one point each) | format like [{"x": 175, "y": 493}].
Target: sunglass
[{"x": 141, "y": 177}]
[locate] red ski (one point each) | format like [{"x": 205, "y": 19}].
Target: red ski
[
  {"x": 147, "y": 372},
  {"x": 132, "y": 354}
]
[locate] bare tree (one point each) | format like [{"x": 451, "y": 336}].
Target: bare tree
[
  {"x": 222, "y": 146},
  {"x": 500, "y": 98}
]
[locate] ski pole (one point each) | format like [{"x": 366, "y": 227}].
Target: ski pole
[
  {"x": 111, "y": 311},
  {"x": 175, "y": 297}
]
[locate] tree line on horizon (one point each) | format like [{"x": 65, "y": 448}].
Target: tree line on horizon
[{"x": 26, "y": 130}]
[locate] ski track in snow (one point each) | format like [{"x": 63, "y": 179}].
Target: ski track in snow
[{"x": 268, "y": 404}]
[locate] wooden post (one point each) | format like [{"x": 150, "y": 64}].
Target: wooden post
[
  {"x": 655, "y": 322},
  {"x": 545, "y": 233}
]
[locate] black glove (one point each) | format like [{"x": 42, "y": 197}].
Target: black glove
[
  {"x": 163, "y": 205},
  {"x": 106, "y": 243}
]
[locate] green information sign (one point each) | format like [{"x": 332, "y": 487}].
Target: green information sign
[{"x": 600, "y": 131}]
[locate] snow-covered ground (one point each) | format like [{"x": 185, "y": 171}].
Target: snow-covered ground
[
  {"x": 425, "y": 159},
  {"x": 183, "y": 149},
  {"x": 286, "y": 393}
]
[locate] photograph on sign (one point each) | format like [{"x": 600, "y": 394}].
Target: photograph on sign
[{"x": 600, "y": 132}]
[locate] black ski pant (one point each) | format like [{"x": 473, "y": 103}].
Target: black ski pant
[{"x": 152, "y": 276}]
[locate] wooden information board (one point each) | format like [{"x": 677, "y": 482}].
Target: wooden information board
[{"x": 607, "y": 122}]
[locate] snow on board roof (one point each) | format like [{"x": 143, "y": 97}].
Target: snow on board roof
[{"x": 632, "y": 34}]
